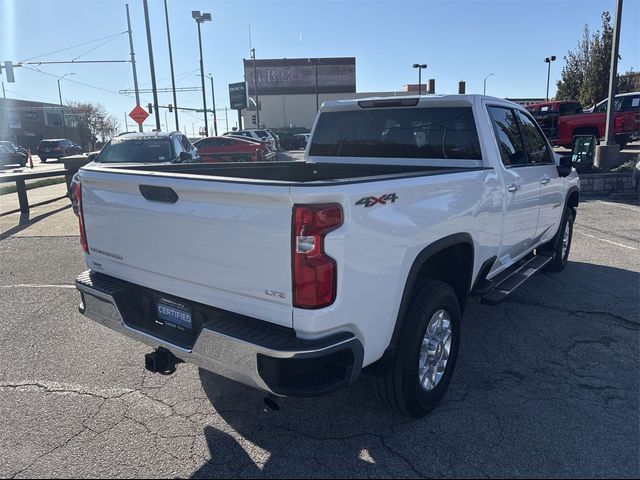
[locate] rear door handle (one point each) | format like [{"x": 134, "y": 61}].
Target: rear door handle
[
  {"x": 513, "y": 188},
  {"x": 545, "y": 180}
]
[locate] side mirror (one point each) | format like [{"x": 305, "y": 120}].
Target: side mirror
[
  {"x": 185, "y": 157},
  {"x": 565, "y": 166},
  {"x": 583, "y": 150}
]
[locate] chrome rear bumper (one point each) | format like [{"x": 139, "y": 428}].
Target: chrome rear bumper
[{"x": 250, "y": 351}]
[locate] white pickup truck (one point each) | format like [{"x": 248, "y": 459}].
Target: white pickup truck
[{"x": 292, "y": 277}]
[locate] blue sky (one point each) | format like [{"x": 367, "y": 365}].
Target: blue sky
[{"x": 459, "y": 40}]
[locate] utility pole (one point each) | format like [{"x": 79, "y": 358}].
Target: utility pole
[
  {"x": 4, "y": 95},
  {"x": 608, "y": 152},
  {"x": 173, "y": 80},
  {"x": 317, "y": 98},
  {"x": 226, "y": 120},
  {"x": 255, "y": 84},
  {"x": 609, "y": 138},
  {"x": 152, "y": 68},
  {"x": 213, "y": 100},
  {"x": 133, "y": 63}
]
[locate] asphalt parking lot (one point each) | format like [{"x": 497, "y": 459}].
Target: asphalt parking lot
[{"x": 547, "y": 383}]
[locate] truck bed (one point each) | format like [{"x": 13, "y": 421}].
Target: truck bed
[{"x": 291, "y": 173}]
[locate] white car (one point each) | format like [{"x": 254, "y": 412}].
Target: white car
[{"x": 295, "y": 277}]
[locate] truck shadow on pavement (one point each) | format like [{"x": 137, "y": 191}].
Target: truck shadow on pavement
[{"x": 546, "y": 385}]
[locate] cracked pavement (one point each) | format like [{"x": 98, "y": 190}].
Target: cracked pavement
[{"x": 547, "y": 383}]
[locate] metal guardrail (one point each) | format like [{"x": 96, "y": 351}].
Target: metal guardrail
[{"x": 71, "y": 166}]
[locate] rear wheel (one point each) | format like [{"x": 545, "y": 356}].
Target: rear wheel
[
  {"x": 426, "y": 353},
  {"x": 43, "y": 159}
]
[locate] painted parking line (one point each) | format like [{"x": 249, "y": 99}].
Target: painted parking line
[
  {"x": 605, "y": 240},
  {"x": 29, "y": 285}
]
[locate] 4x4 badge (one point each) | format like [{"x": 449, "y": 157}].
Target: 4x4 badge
[{"x": 382, "y": 200}]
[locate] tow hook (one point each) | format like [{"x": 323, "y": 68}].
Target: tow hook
[{"x": 161, "y": 361}]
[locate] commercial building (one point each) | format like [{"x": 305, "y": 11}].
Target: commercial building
[{"x": 26, "y": 123}]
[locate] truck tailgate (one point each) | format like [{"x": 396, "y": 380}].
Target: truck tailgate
[{"x": 223, "y": 244}]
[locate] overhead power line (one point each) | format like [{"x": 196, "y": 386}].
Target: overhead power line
[{"x": 113, "y": 36}]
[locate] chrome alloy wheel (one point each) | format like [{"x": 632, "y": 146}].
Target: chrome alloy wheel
[
  {"x": 434, "y": 352},
  {"x": 565, "y": 239}
]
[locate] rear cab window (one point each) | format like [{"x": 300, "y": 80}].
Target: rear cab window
[{"x": 416, "y": 132}]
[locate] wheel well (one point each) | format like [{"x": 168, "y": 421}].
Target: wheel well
[
  {"x": 572, "y": 201},
  {"x": 453, "y": 265},
  {"x": 450, "y": 260}
]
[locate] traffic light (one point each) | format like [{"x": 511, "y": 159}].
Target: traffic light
[
  {"x": 253, "y": 119},
  {"x": 8, "y": 71},
  {"x": 170, "y": 107},
  {"x": 150, "y": 108}
]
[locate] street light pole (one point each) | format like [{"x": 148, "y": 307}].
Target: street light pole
[
  {"x": 419, "y": 66},
  {"x": 213, "y": 101},
  {"x": 549, "y": 60},
  {"x": 201, "y": 18},
  {"x": 173, "y": 80},
  {"x": 484, "y": 89}
]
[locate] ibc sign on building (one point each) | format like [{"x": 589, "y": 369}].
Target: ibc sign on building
[{"x": 291, "y": 76}]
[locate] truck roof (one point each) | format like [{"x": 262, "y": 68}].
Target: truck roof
[{"x": 405, "y": 101}]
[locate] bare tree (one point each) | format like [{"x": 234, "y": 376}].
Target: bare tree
[{"x": 93, "y": 122}]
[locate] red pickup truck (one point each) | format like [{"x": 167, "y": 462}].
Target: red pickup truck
[
  {"x": 548, "y": 114},
  {"x": 626, "y": 122}
]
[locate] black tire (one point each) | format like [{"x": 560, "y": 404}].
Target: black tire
[
  {"x": 43, "y": 160},
  {"x": 400, "y": 387},
  {"x": 559, "y": 260}
]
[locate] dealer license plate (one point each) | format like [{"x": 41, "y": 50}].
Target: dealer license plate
[{"x": 174, "y": 314}]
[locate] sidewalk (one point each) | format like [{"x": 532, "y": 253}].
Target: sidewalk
[{"x": 53, "y": 219}]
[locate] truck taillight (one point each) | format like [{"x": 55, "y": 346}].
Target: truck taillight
[
  {"x": 83, "y": 233},
  {"x": 314, "y": 272}
]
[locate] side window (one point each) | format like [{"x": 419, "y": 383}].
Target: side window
[
  {"x": 631, "y": 103},
  {"x": 601, "y": 107},
  {"x": 508, "y": 136},
  {"x": 534, "y": 141}
]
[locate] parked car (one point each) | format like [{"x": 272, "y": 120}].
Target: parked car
[
  {"x": 128, "y": 148},
  {"x": 293, "y": 278},
  {"x": 626, "y": 125},
  {"x": 232, "y": 149},
  {"x": 9, "y": 156},
  {"x": 57, "y": 148},
  {"x": 155, "y": 147},
  {"x": 14, "y": 147},
  {"x": 305, "y": 138},
  {"x": 257, "y": 134},
  {"x": 290, "y": 142}
]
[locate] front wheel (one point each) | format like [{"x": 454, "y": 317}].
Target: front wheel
[
  {"x": 561, "y": 251},
  {"x": 426, "y": 353}
]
